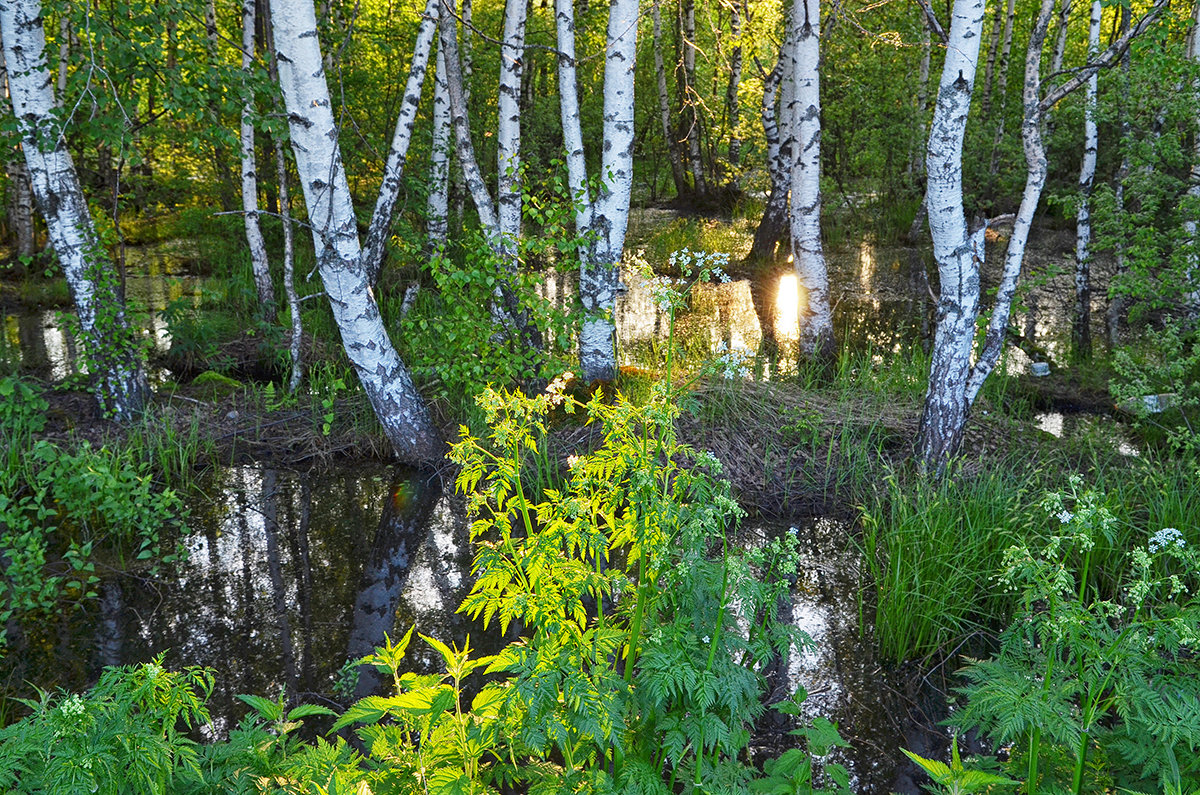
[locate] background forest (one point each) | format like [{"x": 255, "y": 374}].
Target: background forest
[{"x": 683, "y": 352}]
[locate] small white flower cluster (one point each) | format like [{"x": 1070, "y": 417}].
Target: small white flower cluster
[
  {"x": 1164, "y": 538},
  {"x": 1065, "y": 516},
  {"x": 731, "y": 363},
  {"x": 72, "y": 706},
  {"x": 663, "y": 292},
  {"x": 558, "y": 386}
]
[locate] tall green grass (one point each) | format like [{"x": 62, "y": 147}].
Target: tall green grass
[{"x": 930, "y": 550}]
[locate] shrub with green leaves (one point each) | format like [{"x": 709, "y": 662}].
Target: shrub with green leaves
[
  {"x": 1109, "y": 686},
  {"x": 126, "y": 735},
  {"x": 59, "y": 506}
]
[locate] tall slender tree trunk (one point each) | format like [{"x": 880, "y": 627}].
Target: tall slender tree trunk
[
  {"x": 916, "y": 163},
  {"x": 1002, "y": 86},
  {"x": 259, "y": 263},
  {"x": 956, "y": 251},
  {"x": 385, "y": 379},
  {"x": 508, "y": 131},
  {"x": 732, "y": 104},
  {"x": 1115, "y": 310},
  {"x": 816, "y": 324},
  {"x": 20, "y": 193},
  {"x": 602, "y": 219},
  {"x": 437, "y": 206},
  {"x": 1191, "y": 229},
  {"x": 989, "y": 74},
  {"x": 1081, "y": 330},
  {"x": 690, "y": 96},
  {"x": 774, "y": 224},
  {"x": 113, "y": 349},
  {"x": 284, "y": 200},
  {"x": 664, "y": 106},
  {"x": 375, "y": 245}
]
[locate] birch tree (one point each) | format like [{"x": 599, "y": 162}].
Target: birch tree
[
  {"x": 816, "y": 326},
  {"x": 954, "y": 381},
  {"x": 112, "y": 348},
  {"x": 1081, "y": 331},
  {"x": 600, "y": 219},
  {"x": 501, "y": 220},
  {"x": 437, "y": 205},
  {"x": 259, "y": 263},
  {"x": 343, "y": 263},
  {"x": 664, "y": 104}
]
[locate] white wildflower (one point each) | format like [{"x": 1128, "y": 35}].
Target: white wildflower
[
  {"x": 1166, "y": 537},
  {"x": 1065, "y": 516},
  {"x": 706, "y": 640},
  {"x": 573, "y": 461}
]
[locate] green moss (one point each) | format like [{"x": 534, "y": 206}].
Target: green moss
[{"x": 212, "y": 385}]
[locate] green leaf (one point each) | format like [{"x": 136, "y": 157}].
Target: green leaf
[
  {"x": 307, "y": 710},
  {"x": 265, "y": 707}
]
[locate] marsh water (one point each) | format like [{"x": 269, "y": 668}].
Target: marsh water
[{"x": 286, "y": 575}]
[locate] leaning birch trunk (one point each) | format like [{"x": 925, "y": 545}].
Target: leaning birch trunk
[
  {"x": 604, "y": 219},
  {"x": 385, "y": 379},
  {"x": 816, "y": 324},
  {"x": 259, "y": 263},
  {"x": 112, "y": 348},
  {"x": 664, "y": 105},
  {"x": 20, "y": 194},
  {"x": 956, "y": 251},
  {"x": 1190, "y": 228},
  {"x": 375, "y": 245},
  {"x": 1035, "y": 180},
  {"x": 1081, "y": 331},
  {"x": 437, "y": 205},
  {"x": 774, "y": 222}
]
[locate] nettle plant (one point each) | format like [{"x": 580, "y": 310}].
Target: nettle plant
[{"x": 1100, "y": 690}]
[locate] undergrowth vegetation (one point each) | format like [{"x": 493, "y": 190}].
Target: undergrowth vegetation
[{"x": 66, "y": 508}]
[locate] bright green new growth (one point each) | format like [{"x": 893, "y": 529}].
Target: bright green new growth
[
  {"x": 955, "y": 778},
  {"x": 642, "y": 627}
]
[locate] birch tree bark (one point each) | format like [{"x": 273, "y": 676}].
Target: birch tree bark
[
  {"x": 957, "y": 252},
  {"x": 1002, "y": 85},
  {"x": 375, "y": 245},
  {"x": 954, "y": 383},
  {"x": 604, "y": 218},
  {"x": 20, "y": 194},
  {"x": 664, "y": 105},
  {"x": 385, "y": 379},
  {"x": 259, "y": 263},
  {"x": 732, "y": 104},
  {"x": 775, "y": 220},
  {"x": 1116, "y": 303},
  {"x": 1081, "y": 329},
  {"x": 437, "y": 206},
  {"x": 112, "y": 348},
  {"x": 501, "y": 221},
  {"x": 689, "y": 96},
  {"x": 816, "y": 324}
]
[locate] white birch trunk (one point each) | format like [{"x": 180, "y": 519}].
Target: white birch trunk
[
  {"x": 113, "y": 349},
  {"x": 462, "y": 132},
  {"x": 20, "y": 194},
  {"x": 664, "y": 104},
  {"x": 289, "y": 268},
  {"x": 375, "y": 245},
  {"x": 437, "y": 206},
  {"x": 386, "y": 381},
  {"x": 1035, "y": 180},
  {"x": 691, "y": 98},
  {"x": 916, "y": 164},
  {"x": 259, "y": 263},
  {"x": 1060, "y": 37},
  {"x": 1002, "y": 85},
  {"x": 1082, "y": 331},
  {"x": 605, "y": 219},
  {"x": 957, "y": 252},
  {"x": 508, "y": 131},
  {"x": 816, "y": 324},
  {"x": 732, "y": 102}
]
